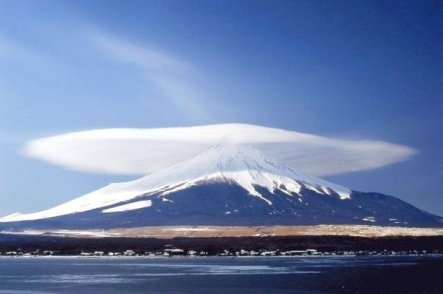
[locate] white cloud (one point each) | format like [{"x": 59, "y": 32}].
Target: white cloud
[{"x": 143, "y": 151}]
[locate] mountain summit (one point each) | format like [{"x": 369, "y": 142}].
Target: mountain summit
[{"x": 228, "y": 184}]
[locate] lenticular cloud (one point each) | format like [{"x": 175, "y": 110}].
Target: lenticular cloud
[{"x": 144, "y": 151}]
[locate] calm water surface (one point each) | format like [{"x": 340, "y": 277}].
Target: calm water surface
[{"x": 411, "y": 274}]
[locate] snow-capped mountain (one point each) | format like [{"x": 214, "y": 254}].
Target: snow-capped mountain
[{"x": 226, "y": 184}]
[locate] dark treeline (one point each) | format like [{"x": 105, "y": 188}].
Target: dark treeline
[{"x": 72, "y": 246}]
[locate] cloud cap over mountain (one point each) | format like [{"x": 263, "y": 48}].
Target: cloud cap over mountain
[{"x": 143, "y": 151}]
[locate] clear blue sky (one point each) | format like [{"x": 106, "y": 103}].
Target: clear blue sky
[{"x": 346, "y": 69}]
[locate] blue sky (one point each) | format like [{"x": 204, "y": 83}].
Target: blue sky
[{"x": 348, "y": 69}]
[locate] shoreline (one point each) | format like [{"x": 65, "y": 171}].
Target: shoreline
[
  {"x": 211, "y": 246},
  {"x": 170, "y": 232},
  {"x": 218, "y": 256}
]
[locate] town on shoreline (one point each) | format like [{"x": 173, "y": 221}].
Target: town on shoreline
[
  {"x": 171, "y": 251},
  {"x": 174, "y": 252},
  {"x": 35, "y": 246}
]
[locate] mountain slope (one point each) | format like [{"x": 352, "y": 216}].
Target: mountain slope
[
  {"x": 226, "y": 163},
  {"x": 225, "y": 185}
]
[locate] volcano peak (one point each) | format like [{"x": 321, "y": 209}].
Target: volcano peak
[{"x": 237, "y": 164}]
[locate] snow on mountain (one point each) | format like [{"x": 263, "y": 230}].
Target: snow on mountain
[
  {"x": 239, "y": 164},
  {"x": 129, "y": 206}
]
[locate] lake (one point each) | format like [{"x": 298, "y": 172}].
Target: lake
[{"x": 369, "y": 274}]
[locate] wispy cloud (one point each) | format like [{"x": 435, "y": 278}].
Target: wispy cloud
[
  {"x": 168, "y": 72},
  {"x": 153, "y": 61},
  {"x": 143, "y": 151}
]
